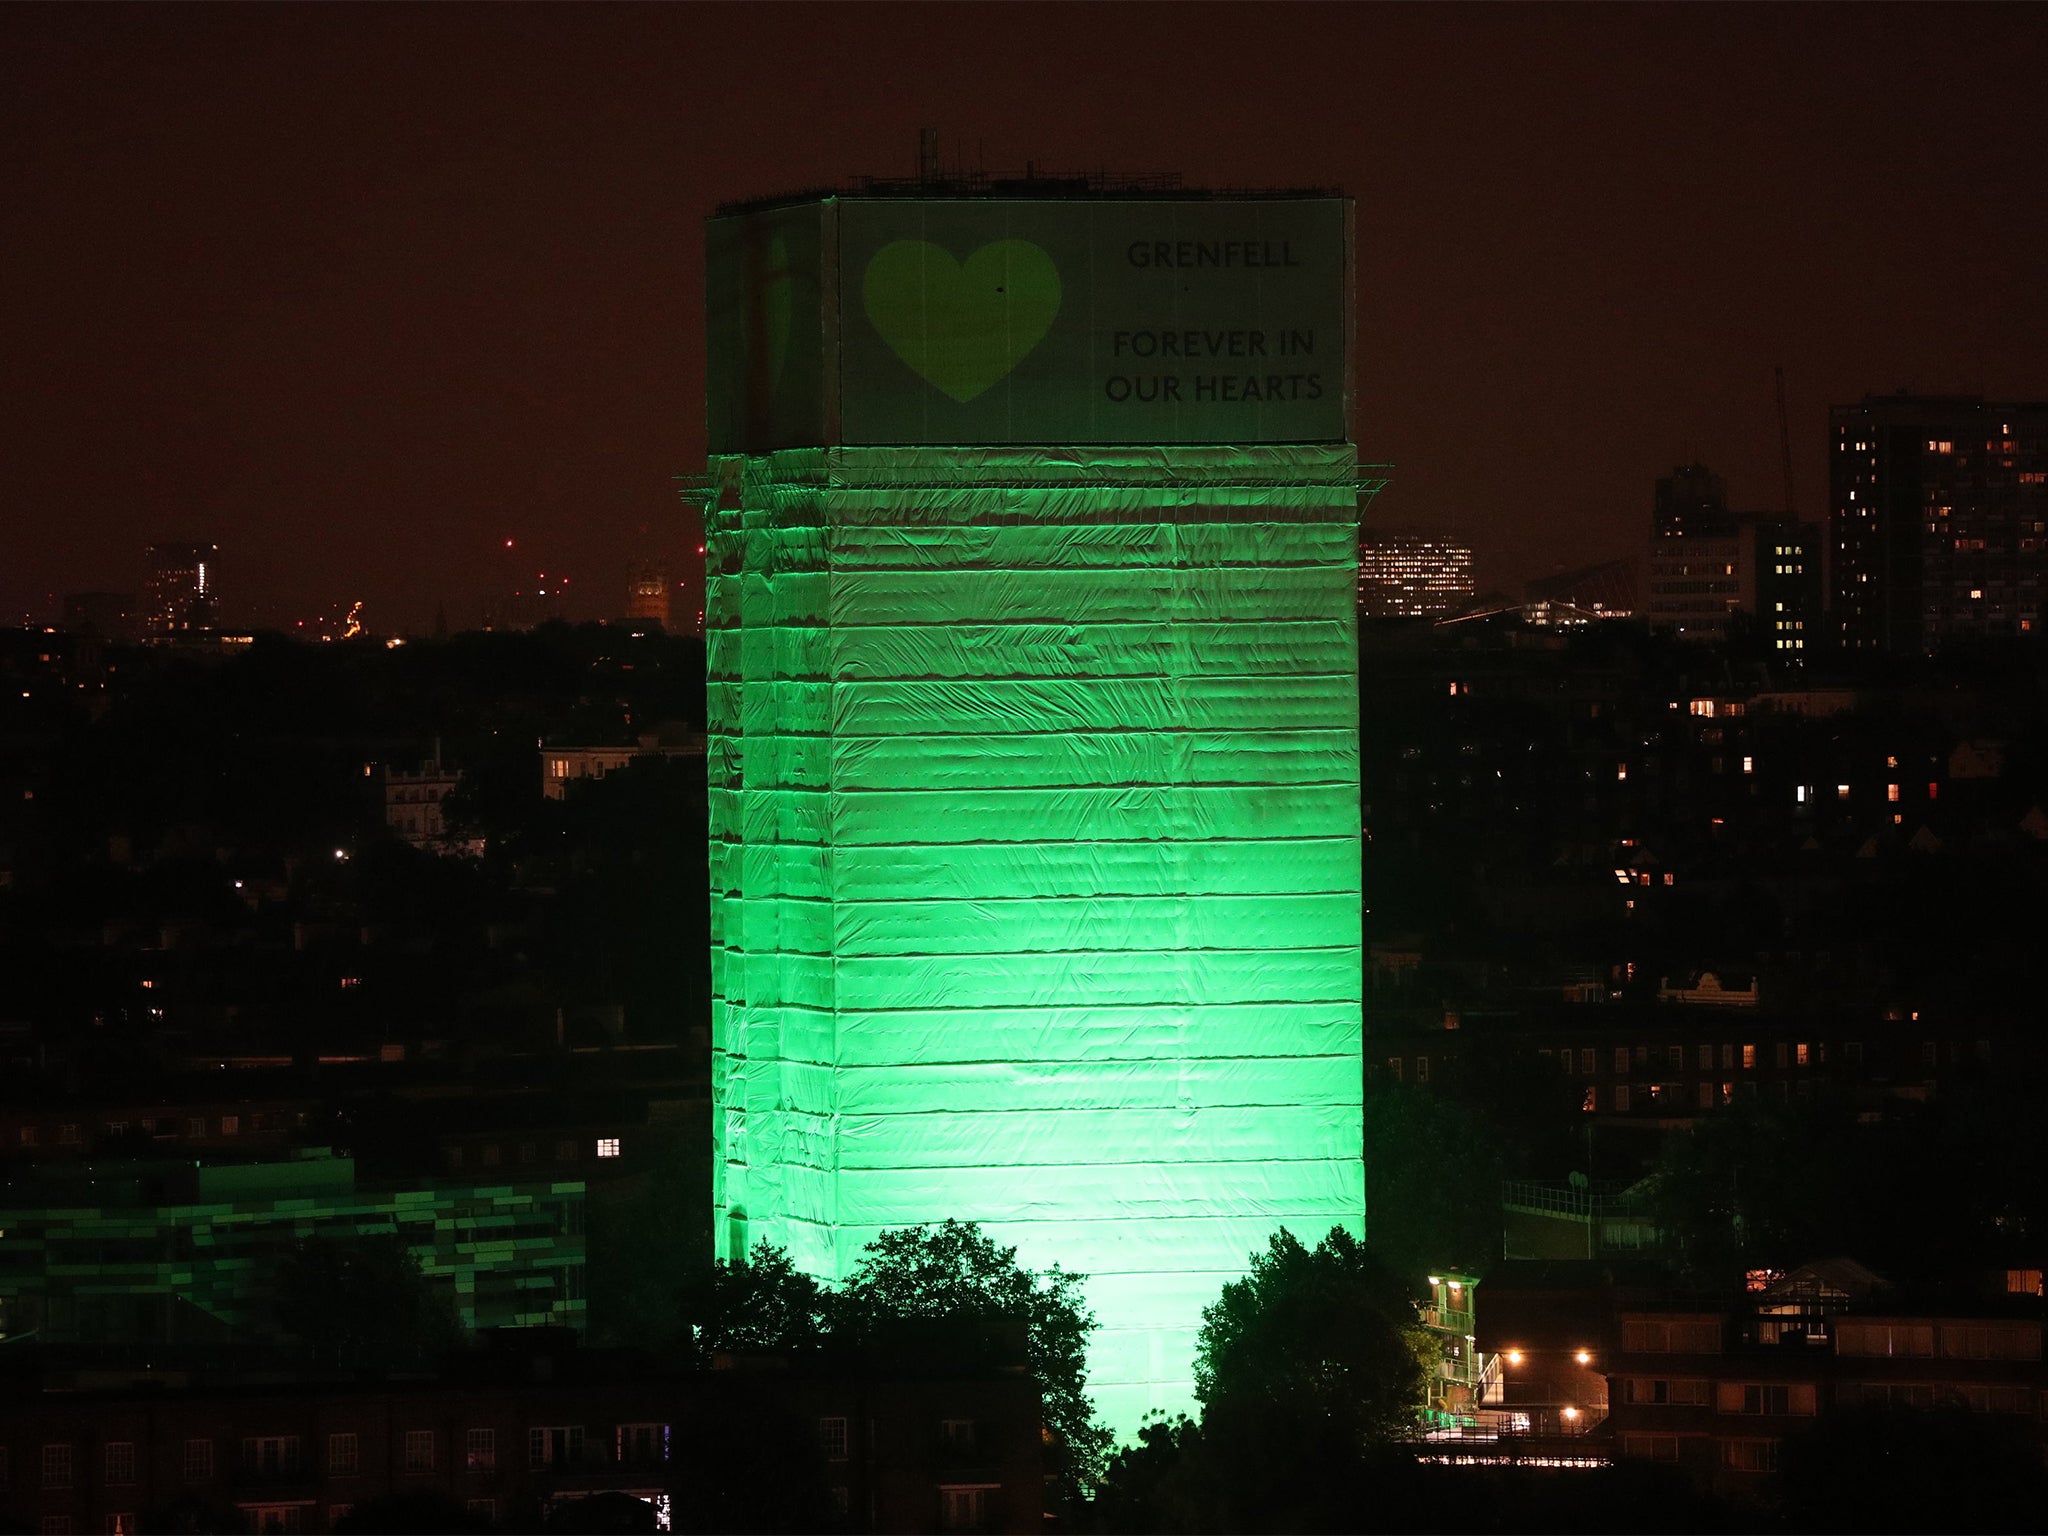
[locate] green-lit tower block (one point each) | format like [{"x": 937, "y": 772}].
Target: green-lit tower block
[{"x": 1035, "y": 861}]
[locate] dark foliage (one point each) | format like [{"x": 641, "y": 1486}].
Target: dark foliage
[
  {"x": 948, "y": 1273},
  {"x": 764, "y": 1306},
  {"x": 1307, "y": 1369},
  {"x": 423, "y": 1510},
  {"x": 362, "y": 1303},
  {"x": 1899, "y": 1469},
  {"x": 602, "y": 1514}
]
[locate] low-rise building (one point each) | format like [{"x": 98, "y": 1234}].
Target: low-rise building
[
  {"x": 562, "y": 766},
  {"x": 106, "y": 1252},
  {"x": 1717, "y": 1391},
  {"x": 508, "y": 1434}
]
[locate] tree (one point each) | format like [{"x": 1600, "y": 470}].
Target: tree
[
  {"x": 1306, "y": 1368},
  {"x": 357, "y": 1302},
  {"x": 1433, "y": 1171},
  {"x": 952, "y": 1270},
  {"x": 764, "y": 1306},
  {"x": 1902, "y": 1469},
  {"x": 1159, "y": 1484}
]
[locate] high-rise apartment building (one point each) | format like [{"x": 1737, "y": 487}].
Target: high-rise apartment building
[
  {"x": 181, "y": 598},
  {"x": 1412, "y": 576},
  {"x": 1699, "y": 561},
  {"x": 1707, "y": 565},
  {"x": 1786, "y": 558},
  {"x": 1033, "y": 757},
  {"x": 1937, "y": 520}
]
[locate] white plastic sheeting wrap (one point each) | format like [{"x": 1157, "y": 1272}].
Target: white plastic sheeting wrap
[{"x": 1035, "y": 864}]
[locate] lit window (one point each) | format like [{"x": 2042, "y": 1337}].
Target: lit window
[
  {"x": 1749, "y": 765},
  {"x": 1748, "y": 1057},
  {"x": 1841, "y": 791},
  {"x": 1891, "y": 793},
  {"x": 607, "y": 1146}
]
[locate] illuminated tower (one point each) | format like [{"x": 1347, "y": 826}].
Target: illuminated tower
[
  {"x": 1032, "y": 545},
  {"x": 181, "y": 598},
  {"x": 647, "y": 593}
]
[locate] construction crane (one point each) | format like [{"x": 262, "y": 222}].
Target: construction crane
[{"x": 1785, "y": 445}]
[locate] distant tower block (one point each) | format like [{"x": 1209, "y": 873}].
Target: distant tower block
[
  {"x": 1032, "y": 551},
  {"x": 182, "y": 597},
  {"x": 647, "y": 596}
]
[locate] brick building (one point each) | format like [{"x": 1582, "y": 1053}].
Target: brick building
[{"x": 509, "y": 1433}]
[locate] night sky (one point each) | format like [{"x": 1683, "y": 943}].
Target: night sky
[{"x": 359, "y": 293}]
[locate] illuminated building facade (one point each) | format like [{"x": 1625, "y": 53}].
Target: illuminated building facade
[
  {"x": 1699, "y": 565},
  {"x": 1937, "y": 520},
  {"x": 1412, "y": 576},
  {"x": 647, "y": 594},
  {"x": 1787, "y": 556},
  {"x": 181, "y": 600},
  {"x": 1584, "y": 596},
  {"x": 1033, "y": 744},
  {"x": 1707, "y": 565}
]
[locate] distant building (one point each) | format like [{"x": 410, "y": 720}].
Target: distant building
[
  {"x": 109, "y": 615},
  {"x": 1708, "y": 564},
  {"x": 1412, "y": 576},
  {"x": 942, "y": 1438},
  {"x": 412, "y": 804},
  {"x": 562, "y": 766},
  {"x": 647, "y": 594},
  {"x": 1937, "y": 520},
  {"x": 528, "y": 606},
  {"x": 200, "y": 1244},
  {"x": 1717, "y": 1389},
  {"x": 1785, "y": 557},
  {"x": 1584, "y": 596},
  {"x": 1698, "y": 561},
  {"x": 182, "y": 600}
]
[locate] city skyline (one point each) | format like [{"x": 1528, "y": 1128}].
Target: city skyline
[{"x": 323, "y": 288}]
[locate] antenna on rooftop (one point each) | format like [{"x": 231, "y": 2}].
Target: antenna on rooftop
[{"x": 927, "y": 154}]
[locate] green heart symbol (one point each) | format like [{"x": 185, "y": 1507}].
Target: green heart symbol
[{"x": 962, "y": 325}]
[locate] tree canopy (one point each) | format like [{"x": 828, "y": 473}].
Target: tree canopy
[
  {"x": 947, "y": 1272},
  {"x": 363, "y": 1302},
  {"x": 1306, "y": 1368}
]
